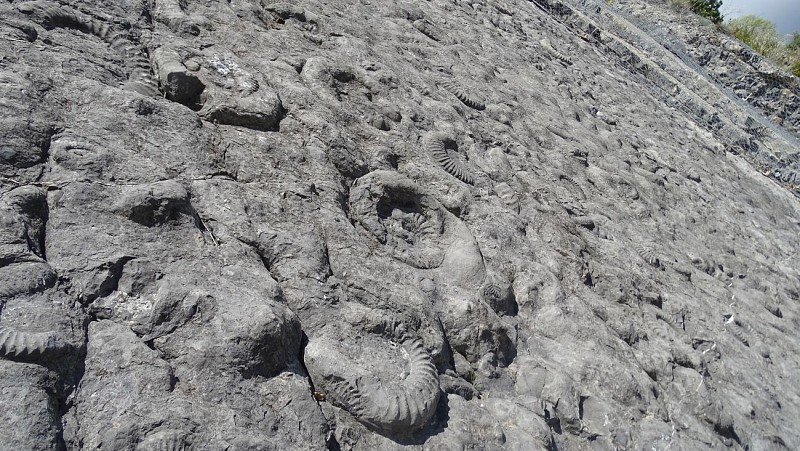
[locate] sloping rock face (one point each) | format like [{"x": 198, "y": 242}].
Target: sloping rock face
[
  {"x": 722, "y": 58},
  {"x": 255, "y": 225}
]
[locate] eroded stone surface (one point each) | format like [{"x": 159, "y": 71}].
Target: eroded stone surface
[{"x": 384, "y": 225}]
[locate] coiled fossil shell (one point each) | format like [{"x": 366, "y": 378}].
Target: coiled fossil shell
[
  {"x": 437, "y": 145},
  {"x": 466, "y": 97},
  {"x": 140, "y": 77},
  {"x": 407, "y": 221},
  {"x": 398, "y": 395}
]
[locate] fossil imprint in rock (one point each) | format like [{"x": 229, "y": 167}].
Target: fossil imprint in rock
[
  {"x": 410, "y": 223},
  {"x": 445, "y": 151},
  {"x": 140, "y": 78},
  {"x": 381, "y": 374},
  {"x": 19, "y": 344},
  {"x": 415, "y": 227}
]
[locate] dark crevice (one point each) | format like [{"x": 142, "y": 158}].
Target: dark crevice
[
  {"x": 728, "y": 432},
  {"x": 327, "y": 257},
  {"x": 45, "y": 217},
  {"x": 150, "y": 344},
  {"x": 173, "y": 380},
  {"x": 330, "y": 439},
  {"x": 553, "y": 422},
  {"x": 587, "y": 279},
  {"x": 266, "y": 260},
  {"x": 45, "y": 149},
  {"x": 331, "y": 443},
  {"x": 109, "y": 285},
  {"x": 72, "y": 368},
  {"x": 224, "y": 175},
  {"x": 301, "y": 361}
]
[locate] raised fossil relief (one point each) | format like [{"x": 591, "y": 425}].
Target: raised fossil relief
[
  {"x": 500, "y": 298},
  {"x": 445, "y": 151},
  {"x": 140, "y": 77},
  {"x": 168, "y": 440},
  {"x": 739, "y": 334},
  {"x": 648, "y": 254},
  {"x": 283, "y": 12},
  {"x": 19, "y": 344},
  {"x": 467, "y": 97},
  {"x": 381, "y": 374},
  {"x": 336, "y": 81},
  {"x": 545, "y": 43},
  {"x": 155, "y": 203},
  {"x": 394, "y": 209},
  {"x": 232, "y": 75},
  {"x": 24, "y": 212},
  {"x": 567, "y": 192},
  {"x": 26, "y": 277}
]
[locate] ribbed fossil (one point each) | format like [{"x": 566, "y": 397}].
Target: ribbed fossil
[
  {"x": 492, "y": 292},
  {"x": 15, "y": 343},
  {"x": 744, "y": 331},
  {"x": 545, "y": 43},
  {"x": 750, "y": 329},
  {"x": 140, "y": 77},
  {"x": 570, "y": 184},
  {"x": 648, "y": 254},
  {"x": 25, "y": 277},
  {"x": 500, "y": 298},
  {"x": 671, "y": 321},
  {"x": 753, "y": 128},
  {"x": 444, "y": 151},
  {"x": 466, "y": 97},
  {"x": 398, "y": 396},
  {"x": 169, "y": 440},
  {"x": 400, "y": 216},
  {"x": 739, "y": 333}
]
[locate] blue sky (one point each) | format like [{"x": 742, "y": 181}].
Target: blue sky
[{"x": 785, "y": 14}]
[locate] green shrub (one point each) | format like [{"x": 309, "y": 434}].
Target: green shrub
[
  {"x": 708, "y": 9},
  {"x": 794, "y": 43},
  {"x": 762, "y": 36},
  {"x": 795, "y": 67},
  {"x": 758, "y": 33}
]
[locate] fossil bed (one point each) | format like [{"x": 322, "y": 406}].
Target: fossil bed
[{"x": 373, "y": 224}]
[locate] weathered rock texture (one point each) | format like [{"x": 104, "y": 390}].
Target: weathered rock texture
[{"x": 484, "y": 224}]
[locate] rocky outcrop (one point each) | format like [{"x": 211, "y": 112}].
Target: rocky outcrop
[{"x": 546, "y": 224}]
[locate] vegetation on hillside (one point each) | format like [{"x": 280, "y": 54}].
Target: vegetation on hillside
[
  {"x": 708, "y": 9},
  {"x": 756, "y": 32},
  {"x": 705, "y": 8},
  {"x": 762, "y": 36}
]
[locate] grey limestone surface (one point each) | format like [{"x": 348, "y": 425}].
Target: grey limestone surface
[{"x": 372, "y": 224}]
